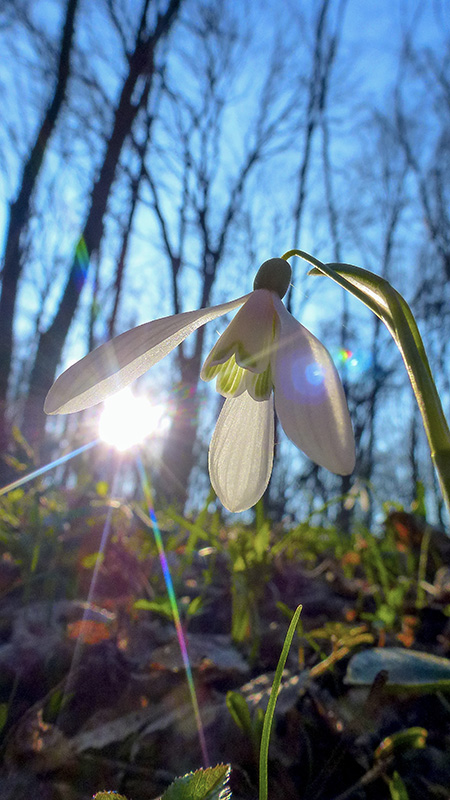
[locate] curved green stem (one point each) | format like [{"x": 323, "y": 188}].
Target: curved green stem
[
  {"x": 393, "y": 310},
  {"x": 268, "y": 717},
  {"x": 331, "y": 273}
]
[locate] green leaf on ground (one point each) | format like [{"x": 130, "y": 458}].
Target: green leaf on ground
[
  {"x": 109, "y": 796},
  {"x": 204, "y": 784}
]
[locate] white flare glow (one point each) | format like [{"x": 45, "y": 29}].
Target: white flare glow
[{"x": 127, "y": 420}]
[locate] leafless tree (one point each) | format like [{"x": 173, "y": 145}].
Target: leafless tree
[
  {"x": 19, "y": 213},
  {"x": 133, "y": 97}
]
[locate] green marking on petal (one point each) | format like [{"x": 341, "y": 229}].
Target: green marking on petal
[
  {"x": 229, "y": 378},
  {"x": 259, "y": 386},
  {"x": 210, "y": 372}
]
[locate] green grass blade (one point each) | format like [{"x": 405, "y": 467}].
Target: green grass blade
[{"x": 268, "y": 718}]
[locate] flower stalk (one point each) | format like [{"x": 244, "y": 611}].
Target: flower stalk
[{"x": 389, "y": 305}]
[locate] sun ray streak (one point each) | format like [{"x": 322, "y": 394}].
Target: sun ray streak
[
  {"x": 53, "y": 464},
  {"x": 174, "y": 606}
]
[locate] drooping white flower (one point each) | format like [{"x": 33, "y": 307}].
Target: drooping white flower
[{"x": 264, "y": 357}]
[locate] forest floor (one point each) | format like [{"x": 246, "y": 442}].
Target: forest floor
[{"x": 93, "y": 691}]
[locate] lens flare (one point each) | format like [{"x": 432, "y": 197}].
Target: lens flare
[
  {"x": 344, "y": 355},
  {"x": 81, "y": 267},
  {"x": 306, "y": 379},
  {"x": 356, "y": 363},
  {"x": 174, "y": 606},
  {"x": 127, "y": 420}
]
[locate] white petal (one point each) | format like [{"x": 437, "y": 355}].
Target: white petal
[
  {"x": 241, "y": 451},
  {"x": 249, "y": 336},
  {"x": 309, "y": 398},
  {"x": 113, "y": 365}
]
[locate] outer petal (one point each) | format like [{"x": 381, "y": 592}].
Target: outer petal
[
  {"x": 309, "y": 398},
  {"x": 241, "y": 451},
  {"x": 113, "y": 365}
]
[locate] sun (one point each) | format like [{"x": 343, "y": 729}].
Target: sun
[{"x": 126, "y": 420}]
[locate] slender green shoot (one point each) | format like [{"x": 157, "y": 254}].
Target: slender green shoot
[{"x": 268, "y": 718}]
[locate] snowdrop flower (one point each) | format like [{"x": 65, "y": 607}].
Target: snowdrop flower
[{"x": 263, "y": 358}]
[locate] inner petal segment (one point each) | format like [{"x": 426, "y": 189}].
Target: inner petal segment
[
  {"x": 230, "y": 377},
  {"x": 259, "y": 385},
  {"x": 250, "y": 336}
]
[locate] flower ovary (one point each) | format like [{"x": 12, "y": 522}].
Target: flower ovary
[{"x": 274, "y": 275}]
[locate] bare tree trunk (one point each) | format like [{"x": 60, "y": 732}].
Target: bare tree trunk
[
  {"x": 177, "y": 459},
  {"x": 51, "y": 342},
  {"x": 178, "y": 454},
  {"x": 19, "y": 215}
]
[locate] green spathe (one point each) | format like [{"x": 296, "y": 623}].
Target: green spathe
[{"x": 274, "y": 275}]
